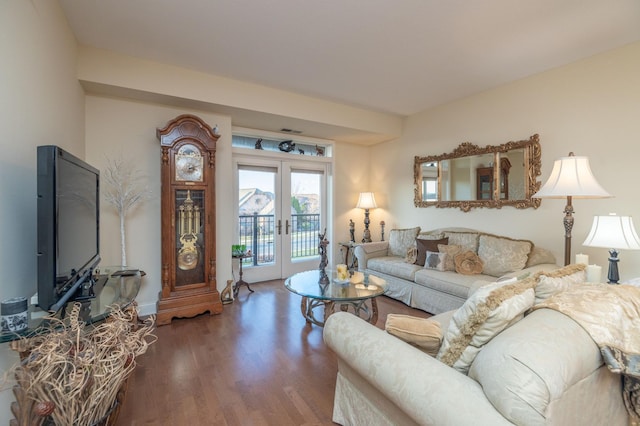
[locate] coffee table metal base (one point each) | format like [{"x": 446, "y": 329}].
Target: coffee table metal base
[{"x": 359, "y": 307}]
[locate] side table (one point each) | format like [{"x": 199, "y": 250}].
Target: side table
[{"x": 240, "y": 282}]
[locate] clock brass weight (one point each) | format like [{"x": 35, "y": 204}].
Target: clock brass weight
[
  {"x": 188, "y": 220},
  {"x": 188, "y": 224}
]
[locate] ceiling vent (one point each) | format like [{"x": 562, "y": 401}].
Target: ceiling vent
[{"x": 285, "y": 130}]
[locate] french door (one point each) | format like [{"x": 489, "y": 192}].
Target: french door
[{"x": 281, "y": 208}]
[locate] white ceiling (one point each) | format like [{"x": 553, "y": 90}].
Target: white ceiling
[{"x": 393, "y": 56}]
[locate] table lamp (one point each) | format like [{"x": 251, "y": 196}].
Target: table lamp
[
  {"x": 615, "y": 233},
  {"x": 366, "y": 201},
  {"x": 571, "y": 177}
]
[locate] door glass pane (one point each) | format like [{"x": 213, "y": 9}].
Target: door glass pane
[
  {"x": 305, "y": 213},
  {"x": 256, "y": 213}
]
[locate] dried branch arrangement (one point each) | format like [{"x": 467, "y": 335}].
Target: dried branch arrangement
[
  {"x": 72, "y": 375},
  {"x": 125, "y": 189}
]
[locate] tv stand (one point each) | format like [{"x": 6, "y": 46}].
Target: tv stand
[
  {"x": 107, "y": 287},
  {"x": 87, "y": 292}
]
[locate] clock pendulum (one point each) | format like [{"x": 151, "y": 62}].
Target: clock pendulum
[{"x": 189, "y": 222}]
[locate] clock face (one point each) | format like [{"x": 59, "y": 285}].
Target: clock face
[{"x": 189, "y": 164}]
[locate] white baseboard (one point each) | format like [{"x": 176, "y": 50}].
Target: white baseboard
[{"x": 146, "y": 309}]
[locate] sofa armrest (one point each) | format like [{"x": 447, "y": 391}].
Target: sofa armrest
[
  {"x": 364, "y": 252},
  {"x": 425, "y": 389}
]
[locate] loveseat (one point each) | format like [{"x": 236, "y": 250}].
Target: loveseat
[
  {"x": 440, "y": 289},
  {"x": 523, "y": 361}
]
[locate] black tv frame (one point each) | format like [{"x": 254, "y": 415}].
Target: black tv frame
[{"x": 53, "y": 295}]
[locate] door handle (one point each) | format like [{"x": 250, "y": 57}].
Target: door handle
[
  {"x": 279, "y": 226},
  {"x": 287, "y": 227}
]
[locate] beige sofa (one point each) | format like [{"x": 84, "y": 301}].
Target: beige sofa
[
  {"x": 543, "y": 370},
  {"x": 436, "y": 291}
]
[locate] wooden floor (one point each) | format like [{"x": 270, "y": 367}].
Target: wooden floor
[{"x": 257, "y": 363}]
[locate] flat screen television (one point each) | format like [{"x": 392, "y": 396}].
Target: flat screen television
[{"x": 68, "y": 225}]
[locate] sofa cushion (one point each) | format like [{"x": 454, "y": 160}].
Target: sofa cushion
[
  {"x": 435, "y": 260},
  {"x": 533, "y": 363},
  {"x": 552, "y": 282},
  {"x": 430, "y": 235},
  {"x": 486, "y": 313},
  {"x": 468, "y": 240},
  {"x": 401, "y": 239},
  {"x": 501, "y": 255},
  {"x": 424, "y": 245},
  {"x": 448, "y": 282},
  {"x": 395, "y": 266},
  {"x": 423, "y": 333},
  {"x": 539, "y": 256},
  {"x": 451, "y": 250}
]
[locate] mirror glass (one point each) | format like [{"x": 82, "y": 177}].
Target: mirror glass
[{"x": 473, "y": 176}]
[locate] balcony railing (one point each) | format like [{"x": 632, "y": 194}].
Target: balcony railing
[{"x": 257, "y": 233}]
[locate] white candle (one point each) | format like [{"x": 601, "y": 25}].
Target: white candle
[
  {"x": 594, "y": 272},
  {"x": 582, "y": 258}
]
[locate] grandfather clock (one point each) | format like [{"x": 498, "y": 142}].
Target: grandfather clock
[{"x": 188, "y": 217}]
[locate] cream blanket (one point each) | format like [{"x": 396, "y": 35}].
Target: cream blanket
[{"x": 611, "y": 316}]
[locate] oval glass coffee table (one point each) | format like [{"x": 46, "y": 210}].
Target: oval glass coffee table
[{"x": 357, "y": 298}]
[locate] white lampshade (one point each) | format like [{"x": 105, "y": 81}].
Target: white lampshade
[
  {"x": 366, "y": 201},
  {"x": 613, "y": 232},
  {"x": 571, "y": 176}
]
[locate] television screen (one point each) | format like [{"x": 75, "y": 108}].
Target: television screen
[{"x": 68, "y": 224}]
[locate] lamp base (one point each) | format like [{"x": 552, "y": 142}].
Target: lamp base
[
  {"x": 613, "y": 275},
  {"x": 366, "y": 235},
  {"x": 567, "y": 221}
]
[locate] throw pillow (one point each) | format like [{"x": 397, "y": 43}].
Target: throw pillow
[
  {"x": 412, "y": 255},
  {"x": 451, "y": 250},
  {"x": 488, "y": 311},
  {"x": 539, "y": 256},
  {"x": 468, "y": 240},
  {"x": 435, "y": 260},
  {"x": 430, "y": 235},
  {"x": 424, "y": 246},
  {"x": 422, "y": 333},
  {"x": 468, "y": 263},
  {"x": 501, "y": 255},
  {"x": 400, "y": 240},
  {"x": 552, "y": 282}
]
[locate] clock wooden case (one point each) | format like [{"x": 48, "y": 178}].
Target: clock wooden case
[{"x": 188, "y": 165}]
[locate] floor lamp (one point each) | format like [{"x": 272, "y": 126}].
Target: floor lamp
[
  {"x": 366, "y": 201},
  {"x": 571, "y": 177},
  {"x": 615, "y": 233}
]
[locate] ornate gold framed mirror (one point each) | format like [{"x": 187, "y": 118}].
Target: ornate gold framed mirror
[{"x": 471, "y": 176}]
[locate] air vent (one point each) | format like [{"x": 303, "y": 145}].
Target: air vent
[{"x": 285, "y": 130}]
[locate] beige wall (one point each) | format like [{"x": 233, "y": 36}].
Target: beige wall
[
  {"x": 590, "y": 107},
  {"x": 41, "y": 103},
  {"x": 350, "y": 177}
]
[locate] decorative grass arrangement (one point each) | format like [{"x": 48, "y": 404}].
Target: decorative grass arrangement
[{"x": 72, "y": 375}]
